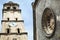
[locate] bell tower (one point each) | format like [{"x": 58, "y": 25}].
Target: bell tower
[{"x": 12, "y": 23}]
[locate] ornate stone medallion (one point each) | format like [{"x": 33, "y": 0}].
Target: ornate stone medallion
[{"x": 48, "y": 22}]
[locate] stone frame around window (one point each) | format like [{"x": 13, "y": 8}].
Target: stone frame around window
[{"x": 48, "y": 26}]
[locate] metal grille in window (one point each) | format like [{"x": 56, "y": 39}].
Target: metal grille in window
[{"x": 48, "y": 22}]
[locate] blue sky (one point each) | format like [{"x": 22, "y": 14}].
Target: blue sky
[{"x": 27, "y": 14}]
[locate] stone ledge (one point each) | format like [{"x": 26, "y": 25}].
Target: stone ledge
[
  {"x": 12, "y": 21},
  {"x": 23, "y": 33},
  {"x": 11, "y": 10}
]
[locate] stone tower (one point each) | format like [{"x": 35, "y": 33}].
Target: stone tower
[
  {"x": 12, "y": 23},
  {"x": 46, "y": 19}
]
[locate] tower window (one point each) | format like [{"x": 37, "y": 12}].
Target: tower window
[
  {"x": 8, "y": 30},
  {"x": 16, "y": 19},
  {"x": 8, "y": 7},
  {"x": 18, "y": 30},
  {"x": 8, "y": 19},
  {"x": 14, "y": 7}
]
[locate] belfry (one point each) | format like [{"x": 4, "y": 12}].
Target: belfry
[{"x": 12, "y": 23}]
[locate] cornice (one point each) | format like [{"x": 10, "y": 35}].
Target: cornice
[
  {"x": 11, "y": 10},
  {"x": 10, "y": 3},
  {"x": 12, "y": 21},
  {"x": 23, "y": 33}
]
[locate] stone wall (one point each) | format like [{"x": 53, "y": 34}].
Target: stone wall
[
  {"x": 12, "y": 37},
  {"x": 39, "y": 8}
]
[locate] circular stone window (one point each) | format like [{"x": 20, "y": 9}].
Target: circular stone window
[{"x": 48, "y": 22}]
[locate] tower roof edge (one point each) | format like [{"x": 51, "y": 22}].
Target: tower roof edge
[{"x": 10, "y": 3}]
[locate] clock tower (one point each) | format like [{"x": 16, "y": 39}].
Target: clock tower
[{"x": 12, "y": 23}]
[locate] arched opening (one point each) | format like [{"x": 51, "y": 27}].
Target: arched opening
[
  {"x": 14, "y": 7},
  {"x": 8, "y": 30},
  {"x": 48, "y": 22},
  {"x": 8, "y": 8},
  {"x": 18, "y": 30},
  {"x": 8, "y": 19},
  {"x": 16, "y": 19}
]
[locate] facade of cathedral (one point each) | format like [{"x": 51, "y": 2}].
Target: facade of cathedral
[
  {"x": 46, "y": 19},
  {"x": 12, "y": 23}
]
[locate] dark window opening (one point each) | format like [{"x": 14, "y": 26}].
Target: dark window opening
[
  {"x": 18, "y": 30},
  {"x": 8, "y": 7},
  {"x": 14, "y": 7},
  {"x": 8, "y": 30},
  {"x": 8, "y": 19},
  {"x": 16, "y": 19}
]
